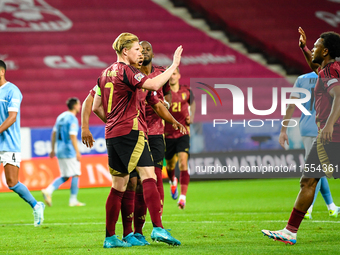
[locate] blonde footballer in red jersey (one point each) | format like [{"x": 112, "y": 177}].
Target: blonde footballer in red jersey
[
  {"x": 177, "y": 144},
  {"x": 323, "y": 158},
  {"x": 126, "y": 142}
]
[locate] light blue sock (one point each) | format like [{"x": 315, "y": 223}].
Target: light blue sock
[
  {"x": 317, "y": 189},
  {"x": 57, "y": 182},
  {"x": 74, "y": 185},
  {"x": 325, "y": 191},
  {"x": 24, "y": 193}
]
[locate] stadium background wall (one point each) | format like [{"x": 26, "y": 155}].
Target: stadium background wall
[{"x": 38, "y": 170}]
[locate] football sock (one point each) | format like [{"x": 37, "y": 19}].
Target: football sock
[
  {"x": 184, "y": 179},
  {"x": 289, "y": 232},
  {"x": 331, "y": 206},
  {"x": 127, "y": 208},
  {"x": 160, "y": 187},
  {"x": 153, "y": 201},
  {"x": 310, "y": 209},
  {"x": 139, "y": 213},
  {"x": 182, "y": 197},
  {"x": 55, "y": 184},
  {"x": 36, "y": 207},
  {"x": 24, "y": 193},
  {"x": 74, "y": 186},
  {"x": 326, "y": 193},
  {"x": 113, "y": 205},
  {"x": 295, "y": 220},
  {"x": 171, "y": 174}
]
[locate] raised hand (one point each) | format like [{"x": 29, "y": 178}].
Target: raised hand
[
  {"x": 303, "y": 38},
  {"x": 177, "y": 56}
]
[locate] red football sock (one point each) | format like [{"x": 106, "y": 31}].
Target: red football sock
[
  {"x": 140, "y": 213},
  {"x": 184, "y": 179},
  {"x": 128, "y": 207},
  {"x": 160, "y": 187},
  {"x": 113, "y": 204},
  {"x": 153, "y": 201},
  {"x": 295, "y": 220},
  {"x": 171, "y": 174}
]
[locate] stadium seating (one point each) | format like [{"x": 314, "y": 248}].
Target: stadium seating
[
  {"x": 271, "y": 26},
  {"x": 54, "y": 52}
]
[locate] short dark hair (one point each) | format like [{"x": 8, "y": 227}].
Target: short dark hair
[
  {"x": 331, "y": 41},
  {"x": 2, "y": 64},
  {"x": 71, "y": 102}
]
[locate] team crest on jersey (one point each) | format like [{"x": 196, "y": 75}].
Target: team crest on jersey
[
  {"x": 330, "y": 82},
  {"x": 139, "y": 76},
  {"x": 31, "y": 15},
  {"x": 184, "y": 96}
]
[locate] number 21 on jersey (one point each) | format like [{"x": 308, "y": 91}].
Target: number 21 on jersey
[{"x": 176, "y": 106}]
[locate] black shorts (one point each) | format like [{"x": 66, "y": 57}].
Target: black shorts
[
  {"x": 173, "y": 146},
  {"x": 128, "y": 151},
  {"x": 134, "y": 174},
  {"x": 157, "y": 146},
  {"x": 322, "y": 160}
]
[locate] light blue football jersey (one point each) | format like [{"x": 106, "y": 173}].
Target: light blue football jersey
[
  {"x": 307, "y": 122},
  {"x": 66, "y": 125},
  {"x": 10, "y": 100}
]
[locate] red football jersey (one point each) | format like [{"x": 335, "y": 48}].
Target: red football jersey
[
  {"x": 120, "y": 86},
  {"x": 180, "y": 110},
  {"x": 146, "y": 98},
  {"x": 328, "y": 78},
  {"x": 154, "y": 122}
]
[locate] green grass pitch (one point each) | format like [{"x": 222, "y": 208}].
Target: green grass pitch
[{"x": 221, "y": 217}]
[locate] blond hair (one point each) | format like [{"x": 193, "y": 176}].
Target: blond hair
[{"x": 124, "y": 40}]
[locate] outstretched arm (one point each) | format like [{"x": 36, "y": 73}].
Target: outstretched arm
[
  {"x": 160, "y": 80},
  {"x": 162, "y": 112},
  {"x": 306, "y": 52}
]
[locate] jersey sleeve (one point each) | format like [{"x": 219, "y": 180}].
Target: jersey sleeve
[
  {"x": 333, "y": 80},
  {"x": 152, "y": 98},
  {"x": 133, "y": 77},
  {"x": 297, "y": 84},
  {"x": 74, "y": 126},
  {"x": 166, "y": 88},
  {"x": 14, "y": 100},
  {"x": 93, "y": 91}
]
